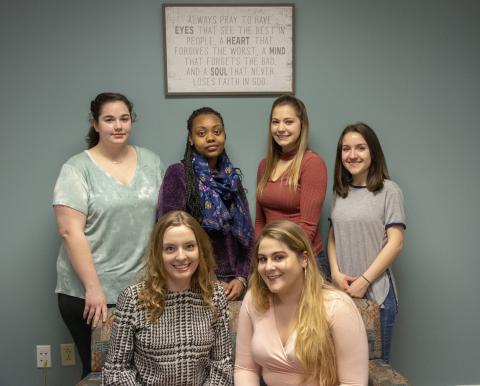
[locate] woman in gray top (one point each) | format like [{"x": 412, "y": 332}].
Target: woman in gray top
[
  {"x": 104, "y": 201},
  {"x": 367, "y": 224}
]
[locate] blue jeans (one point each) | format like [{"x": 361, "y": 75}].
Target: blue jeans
[
  {"x": 324, "y": 265},
  {"x": 388, "y": 313}
]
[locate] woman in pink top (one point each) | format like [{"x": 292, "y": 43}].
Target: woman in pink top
[
  {"x": 293, "y": 328},
  {"x": 292, "y": 180}
]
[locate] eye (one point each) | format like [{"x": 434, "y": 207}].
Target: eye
[
  {"x": 345, "y": 148},
  {"x": 278, "y": 257},
  {"x": 169, "y": 249},
  {"x": 218, "y": 131},
  {"x": 289, "y": 122},
  {"x": 190, "y": 247},
  {"x": 362, "y": 147},
  {"x": 274, "y": 122},
  {"x": 201, "y": 133},
  {"x": 126, "y": 119},
  {"x": 261, "y": 259},
  {"x": 108, "y": 120}
]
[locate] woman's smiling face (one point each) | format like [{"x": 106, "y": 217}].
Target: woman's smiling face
[
  {"x": 180, "y": 257},
  {"x": 285, "y": 127},
  {"x": 281, "y": 269}
]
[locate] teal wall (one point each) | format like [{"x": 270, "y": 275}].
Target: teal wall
[{"x": 408, "y": 68}]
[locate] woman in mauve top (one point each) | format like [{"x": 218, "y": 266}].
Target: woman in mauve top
[
  {"x": 207, "y": 186},
  {"x": 367, "y": 225},
  {"x": 292, "y": 180},
  {"x": 294, "y": 328}
]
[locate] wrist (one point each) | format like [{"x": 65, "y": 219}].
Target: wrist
[
  {"x": 366, "y": 279},
  {"x": 242, "y": 280}
]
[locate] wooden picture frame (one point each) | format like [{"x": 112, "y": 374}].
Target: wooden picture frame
[{"x": 214, "y": 49}]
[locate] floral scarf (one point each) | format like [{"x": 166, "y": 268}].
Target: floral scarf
[{"x": 223, "y": 207}]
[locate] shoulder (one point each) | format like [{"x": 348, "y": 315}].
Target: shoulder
[
  {"x": 338, "y": 305},
  {"x": 177, "y": 167},
  {"x": 79, "y": 160},
  {"x": 262, "y": 164},
  {"x": 391, "y": 186},
  {"x": 175, "y": 171},
  {"x": 148, "y": 156},
  {"x": 128, "y": 298},
  {"x": 249, "y": 305},
  {"x": 312, "y": 158}
]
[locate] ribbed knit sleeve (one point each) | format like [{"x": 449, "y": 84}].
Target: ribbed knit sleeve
[{"x": 313, "y": 185}]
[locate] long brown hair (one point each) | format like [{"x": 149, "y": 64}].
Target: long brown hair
[
  {"x": 378, "y": 170},
  {"x": 314, "y": 345},
  {"x": 153, "y": 294},
  {"x": 274, "y": 150}
]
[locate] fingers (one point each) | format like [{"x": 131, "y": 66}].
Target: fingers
[
  {"x": 96, "y": 316},
  {"x": 105, "y": 313}
]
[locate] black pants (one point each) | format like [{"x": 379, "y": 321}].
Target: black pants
[{"x": 71, "y": 309}]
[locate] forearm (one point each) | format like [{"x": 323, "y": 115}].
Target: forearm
[
  {"x": 387, "y": 255},
  {"x": 80, "y": 256}
]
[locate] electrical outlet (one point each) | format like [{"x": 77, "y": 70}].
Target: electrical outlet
[
  {"x": 67, "y": 351},
  {"x": 44, "y": 356}
]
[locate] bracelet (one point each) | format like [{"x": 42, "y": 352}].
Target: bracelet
[
  {"x": 368, "y": 281},
  {"x": 242, "y": 280}
]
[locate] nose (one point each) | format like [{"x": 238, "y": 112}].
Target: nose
[
  {"x": 209, "y": 137},
  {"x": 181, "y": 256},
  {"x": 269, "y": 266},
  {"x": 352, "y": 153},
  {"x": 118, "y": 125}
]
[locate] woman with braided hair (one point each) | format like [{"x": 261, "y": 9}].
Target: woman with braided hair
[{"x": 206, "y": 185}]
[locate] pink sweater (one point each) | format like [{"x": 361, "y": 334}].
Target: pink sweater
[
  {"x": 302, "y": 207},
  {"x": 260, "y": 350}
]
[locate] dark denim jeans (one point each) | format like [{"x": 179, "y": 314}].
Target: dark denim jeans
[
  {"x": 324, "y": 265},
  {"x": 388, "y": 313}
]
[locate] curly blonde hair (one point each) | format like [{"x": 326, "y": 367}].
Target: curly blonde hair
[
  {"x": 314, "y": 345},
  {"x": 153, "y": 294}
]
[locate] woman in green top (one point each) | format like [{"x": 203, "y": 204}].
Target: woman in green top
[{"x": 104, "y": 200}]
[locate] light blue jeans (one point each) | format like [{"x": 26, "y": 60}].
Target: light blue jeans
[{"x": 388, "y": 314}]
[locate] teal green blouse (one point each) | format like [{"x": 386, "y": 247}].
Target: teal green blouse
[{"x": 119, "y": 220}]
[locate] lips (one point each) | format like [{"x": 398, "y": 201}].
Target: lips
[
  {"x": 212, "y": 148},
  {"x": 181, "y": 267},
  {"x": 273, "y": 277}
]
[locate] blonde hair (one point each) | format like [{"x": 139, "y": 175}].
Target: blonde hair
[
  {"x": 274, "y": 150},
  {"x": 153, "y": 294},
  {"x": 314, "y": 345}
]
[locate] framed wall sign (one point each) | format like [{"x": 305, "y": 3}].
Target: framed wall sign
[{"x": 216, "y": 49}]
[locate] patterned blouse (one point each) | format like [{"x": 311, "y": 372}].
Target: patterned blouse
[{"x": 186, "y": 346}]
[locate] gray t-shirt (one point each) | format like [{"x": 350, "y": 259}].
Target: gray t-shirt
[
  {"x": 119, "y": 220},
  {"x": 359, "y": 223}
]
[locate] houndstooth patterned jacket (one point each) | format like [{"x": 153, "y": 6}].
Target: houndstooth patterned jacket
[{"x": 186, "y": 346}]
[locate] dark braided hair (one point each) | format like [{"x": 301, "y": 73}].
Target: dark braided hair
[
  {"x": 96, "y": 105},
  {"x": 194, "y": 204}
]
